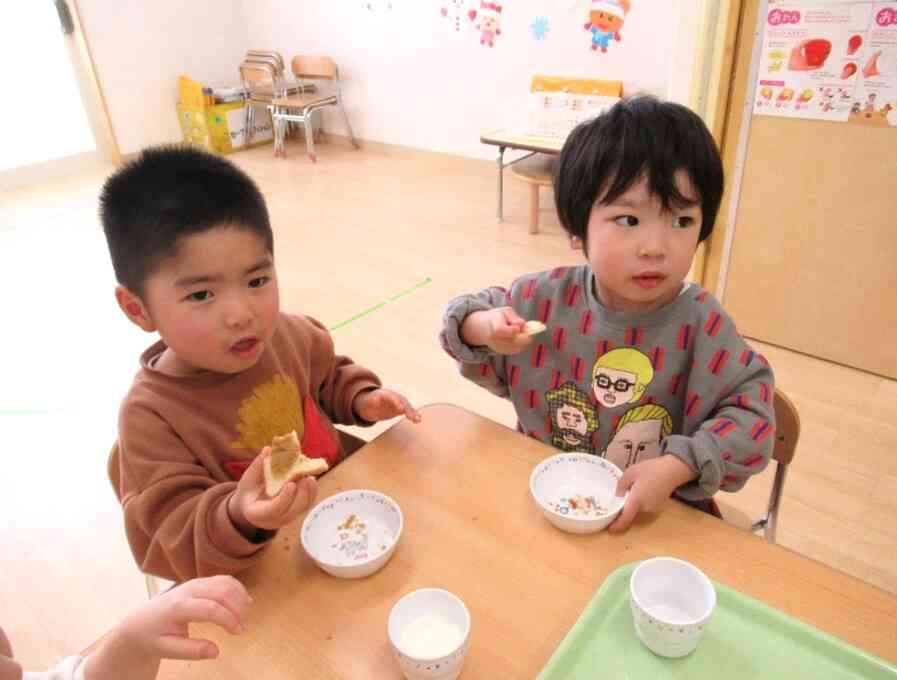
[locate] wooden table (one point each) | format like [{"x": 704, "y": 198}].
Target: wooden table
[
  {"x": 471, "y": 527},
  {"x": 507, "y": 139}
]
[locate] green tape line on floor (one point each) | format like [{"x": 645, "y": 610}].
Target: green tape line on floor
[{"x": 374, "y": 308}]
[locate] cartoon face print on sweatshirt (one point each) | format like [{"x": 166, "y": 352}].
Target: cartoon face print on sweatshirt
[
  {"x": 639, "y": 435},
  {"x": 574, "y": 418},
  {"x": 275, "y": 408},
  {"x": 621, "y": 376}
]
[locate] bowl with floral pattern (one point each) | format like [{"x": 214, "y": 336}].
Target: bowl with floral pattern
[
  {"x": 577, "y": 491},
  {"x": 352, "y": 534}
]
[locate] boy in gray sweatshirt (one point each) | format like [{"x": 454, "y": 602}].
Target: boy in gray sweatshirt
[{"x": 635, "y": 364}]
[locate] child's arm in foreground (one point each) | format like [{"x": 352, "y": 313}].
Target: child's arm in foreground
[
  {"x": 732, "y": 443},
  {"x": 158, "y": 629}
]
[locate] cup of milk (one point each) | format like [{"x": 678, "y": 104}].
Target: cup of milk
[{"x": 429, "y": 630}]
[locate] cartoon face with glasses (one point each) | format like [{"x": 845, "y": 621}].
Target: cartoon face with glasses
[{"x": 621, "y": 376}]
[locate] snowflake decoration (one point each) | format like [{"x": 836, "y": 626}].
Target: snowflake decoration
[{"x": 539, "y": 28}]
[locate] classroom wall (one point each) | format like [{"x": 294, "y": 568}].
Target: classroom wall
[
  {"x": 139, "y": 49},
  {"x": 412, "y": 79}
]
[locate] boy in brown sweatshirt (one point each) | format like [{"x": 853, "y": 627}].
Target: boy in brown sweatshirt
[{"x": 193, "y": 253}]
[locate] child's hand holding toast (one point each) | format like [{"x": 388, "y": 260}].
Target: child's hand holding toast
[
  {"x": 252, "y": 507},
  {"x": 500, "y": 329}
]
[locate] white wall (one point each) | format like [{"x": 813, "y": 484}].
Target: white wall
[
  {"x": 140, "y": 47},
  {"x": 411, "y": 80}
]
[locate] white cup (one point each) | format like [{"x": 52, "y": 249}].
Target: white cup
[
  {"x": 672, "y": 602},
  {"x": 429, "y": 630}
]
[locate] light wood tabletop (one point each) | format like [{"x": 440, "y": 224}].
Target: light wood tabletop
[
  {"x": 471, "y": 527},
  {"x": 520, "y": 141}
]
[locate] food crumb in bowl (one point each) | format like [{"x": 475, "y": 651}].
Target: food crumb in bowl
[
  {"x": 581, "y": 506},
  {"x": 352, "y": 522}
]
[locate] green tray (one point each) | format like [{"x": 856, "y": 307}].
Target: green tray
[{"x": 745, "y": 639}]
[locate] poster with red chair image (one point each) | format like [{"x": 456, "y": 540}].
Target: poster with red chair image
[{"x": 810, "y": 61}]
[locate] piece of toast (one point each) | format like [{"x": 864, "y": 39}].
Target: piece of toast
[
  {"x": 533, "y": 327},
  {"x": 286, "y": 462}
]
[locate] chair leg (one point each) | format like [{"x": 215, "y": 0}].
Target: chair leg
[
  {"x": 246, "y": 121},
  {"x": 156, "y": 585},
  {"x": 348, "y": 126},
  {"x": 533, "y": 208},
  {"x": 250, "y": 124},
  {"x": 279, "y": 125},
  {"x": 770, "y": 522},
  {"x": 310, "y": 139}
]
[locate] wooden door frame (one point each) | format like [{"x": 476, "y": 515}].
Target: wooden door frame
[
  {"x": 92, "y": 90},
  {"x": 727, "y": 96}
]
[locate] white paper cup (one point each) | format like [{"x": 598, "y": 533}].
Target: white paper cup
[
  {"x": 672, "y": 602},
  {"x": 429, "y": 630}
]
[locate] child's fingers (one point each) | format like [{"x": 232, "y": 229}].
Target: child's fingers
[
  {"x": 267, "y": 511},
  {"x": 255, "y": 473},
  {"x": 630, "y": 510},
  {"x": 625, "y": 482},
  {"x": 186, "y": 649},
  {"x": 306, "y": 490},
  {"x": 512, "y": 318},
  {"x": 226, "y": 590},
  {"x": 411, "y": 413},
  {"x": 204, "y": 610},
  {"x": 522, "y": 340}
]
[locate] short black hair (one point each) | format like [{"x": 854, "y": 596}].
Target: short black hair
[
  {"x": 639, "y": 137},
  {"x": 167, "y": 193}
]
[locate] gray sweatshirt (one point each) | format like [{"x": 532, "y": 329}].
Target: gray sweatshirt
[{"x": 679, "y": 380}]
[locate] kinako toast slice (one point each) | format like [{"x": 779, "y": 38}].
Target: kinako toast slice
[{"x": 286, "y": 462}]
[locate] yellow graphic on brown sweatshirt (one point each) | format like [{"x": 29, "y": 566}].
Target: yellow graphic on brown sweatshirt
[{"x": 273, "y": 409}]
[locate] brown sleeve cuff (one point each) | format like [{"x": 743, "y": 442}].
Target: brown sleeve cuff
[{"x": 347, "y": 415}]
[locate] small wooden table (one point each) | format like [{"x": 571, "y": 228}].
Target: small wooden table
[
  {"x": 471, "y": 527},
  {"x": 507, "y": 139}
]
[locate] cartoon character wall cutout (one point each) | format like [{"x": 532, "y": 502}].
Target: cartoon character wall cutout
[
  {"x": 460, "y": 13},
  {"x": 489, "y": 22},
  {"x": 574, "y": 418},
  {"x": 606, "y": 18}
]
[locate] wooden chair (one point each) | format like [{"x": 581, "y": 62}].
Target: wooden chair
[
  {"x": 537, "y": 171},
  {"x": 300, "y": 108},
  {"x": 786, "y": 434},
  {"x": 154, "y": 584}
]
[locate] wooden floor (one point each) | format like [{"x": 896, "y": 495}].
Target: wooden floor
[{"x": 375, "y": 242}]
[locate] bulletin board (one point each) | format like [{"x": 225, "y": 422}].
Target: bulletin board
[{"x": 813, "y": 259}]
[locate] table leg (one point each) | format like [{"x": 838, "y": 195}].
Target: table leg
[{"x": 501, "y": 172}]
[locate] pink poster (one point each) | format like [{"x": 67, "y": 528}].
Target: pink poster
[
  {"x": 809, "y": 62},
  {"x": 875, "y": 98}
]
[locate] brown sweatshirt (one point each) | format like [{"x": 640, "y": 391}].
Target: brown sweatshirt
[{"x": 184, "y": 441}]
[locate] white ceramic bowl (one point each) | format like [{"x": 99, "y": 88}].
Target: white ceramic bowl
[
  {"x": 577, "y": 491},
  {"x": 672, "y": 602},
  {"x": 352, "y": 534},
  {"x": 429, "y": 631}
]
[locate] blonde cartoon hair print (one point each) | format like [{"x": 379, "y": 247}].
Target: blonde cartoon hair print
[{"x": 621, "y": 376}]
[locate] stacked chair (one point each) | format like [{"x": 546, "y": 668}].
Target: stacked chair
[
  {"x": 299, "y": 107},
  {"x": 263, "y": 76}
]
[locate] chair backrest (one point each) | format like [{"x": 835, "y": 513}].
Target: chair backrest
[
  {"x": 787, "y": 428},
  {"x": 256, "y": 55},
  {"x": 113, "y": 468},
  {"x": 261, "y": 80},
  {"x": 314, "y": 67}
]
